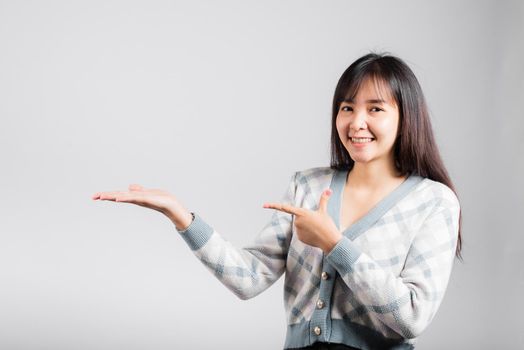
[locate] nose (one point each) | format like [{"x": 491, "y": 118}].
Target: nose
[{"x": 359, "y": 121}]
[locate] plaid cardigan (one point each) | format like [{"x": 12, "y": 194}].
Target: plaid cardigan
[{"x": 378, "y": 288}]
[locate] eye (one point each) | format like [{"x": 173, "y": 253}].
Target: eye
[
  {"x": 376, "y": 109},
  {"x": 346, "y": 108}
]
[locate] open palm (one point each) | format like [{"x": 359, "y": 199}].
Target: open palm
[{"x": 156, "y": 199}]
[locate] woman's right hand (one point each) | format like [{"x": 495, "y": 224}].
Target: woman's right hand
[{"x": 159, "y": 200}]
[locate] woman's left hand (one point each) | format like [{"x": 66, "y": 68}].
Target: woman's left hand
[{"x": 315, "y": 228}]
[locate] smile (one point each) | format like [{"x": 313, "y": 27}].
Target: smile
[{"x": 361, "y": 139}]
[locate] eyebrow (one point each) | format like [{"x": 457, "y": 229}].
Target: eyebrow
[{"x": 349, "y": 100}]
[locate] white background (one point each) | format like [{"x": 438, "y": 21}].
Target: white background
[{"x": 219, "y": 102}]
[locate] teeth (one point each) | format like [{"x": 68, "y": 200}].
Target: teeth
[{"x": 361, "y": 139}]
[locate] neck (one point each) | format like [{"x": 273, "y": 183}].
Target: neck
[{"x": 373, "y": 176}]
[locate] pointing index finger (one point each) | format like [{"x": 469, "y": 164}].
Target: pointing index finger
[{"x": 283, "y": 207}]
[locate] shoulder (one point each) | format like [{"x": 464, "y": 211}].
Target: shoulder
[
  {"x": 429, "y": 197},
  {"x": 309, "y": 184},
  {"x": 428, "y": 204},
  {"x": 319, "y": 175},
  {"x": 439, "y": 192}
]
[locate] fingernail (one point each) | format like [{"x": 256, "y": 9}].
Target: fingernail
[{"x": 328, "y": 191}]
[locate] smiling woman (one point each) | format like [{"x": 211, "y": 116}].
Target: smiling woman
[
  {"x": 367, "y": 244},
  {"x": 368, "y": 124}
]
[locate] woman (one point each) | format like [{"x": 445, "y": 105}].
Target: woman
[{"x": 367, "y": 245}]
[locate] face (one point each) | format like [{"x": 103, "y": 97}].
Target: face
[{"x": 368, "y": 125}]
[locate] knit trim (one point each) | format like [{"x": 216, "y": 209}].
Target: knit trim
[
  {"x": 197, "y": 233},
  {"x": 342, "y": 331}
]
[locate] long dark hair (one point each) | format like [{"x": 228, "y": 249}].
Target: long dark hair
[{"x": 415, "y": 150}]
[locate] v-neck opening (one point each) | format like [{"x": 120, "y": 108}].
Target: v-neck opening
[{"x": 378, "y": 210}]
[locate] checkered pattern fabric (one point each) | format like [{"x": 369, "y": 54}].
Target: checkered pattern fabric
[{"x": 379, "y": 287}]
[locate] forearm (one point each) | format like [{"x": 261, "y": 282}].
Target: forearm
[
  {"x": 245, "y": 271},
  {"x": 405, "y": 303},
  {"x": 404, "y": 300}
]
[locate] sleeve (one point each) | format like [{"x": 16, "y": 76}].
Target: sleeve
[
  {"x": 406, "y": 303},
  {"x": 250, "y": 270}
]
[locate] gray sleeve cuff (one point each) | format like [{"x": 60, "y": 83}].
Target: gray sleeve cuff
[
  {"x": 343, "y": 255},
  {"x": 197, "y": 233}
]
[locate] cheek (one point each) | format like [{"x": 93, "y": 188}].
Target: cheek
[
  {"x": 387, "y": 127},
  {"x": 341, "y": 126}
]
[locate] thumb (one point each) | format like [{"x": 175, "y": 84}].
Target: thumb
[
  {"x": 322, "y": 206},
  {"x": 135, "y": 187}
]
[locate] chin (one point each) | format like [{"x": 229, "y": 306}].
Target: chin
[{"x": 361, "y": 159}]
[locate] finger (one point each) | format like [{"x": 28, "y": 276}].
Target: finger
[
  {"x": 138, "y": 198},
  {"x": 110, "y": 195},
  {"x": 135, "y": 187},
  {"x": 127, "y": 197},
  {"x": 324, "y": 198},
  {"x": 131, "y": 197},
  {"x": 284, "y": 207}
]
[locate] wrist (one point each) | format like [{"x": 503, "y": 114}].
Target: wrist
[
  {"x": 182, "y": 223},
  {"x": 330, "y": 243}
]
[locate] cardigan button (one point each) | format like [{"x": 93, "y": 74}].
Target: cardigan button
[
  {"x": 320, "y": 304},
  {"x": 324, "y": 275},
  {"x": 317, "y": 330}
]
